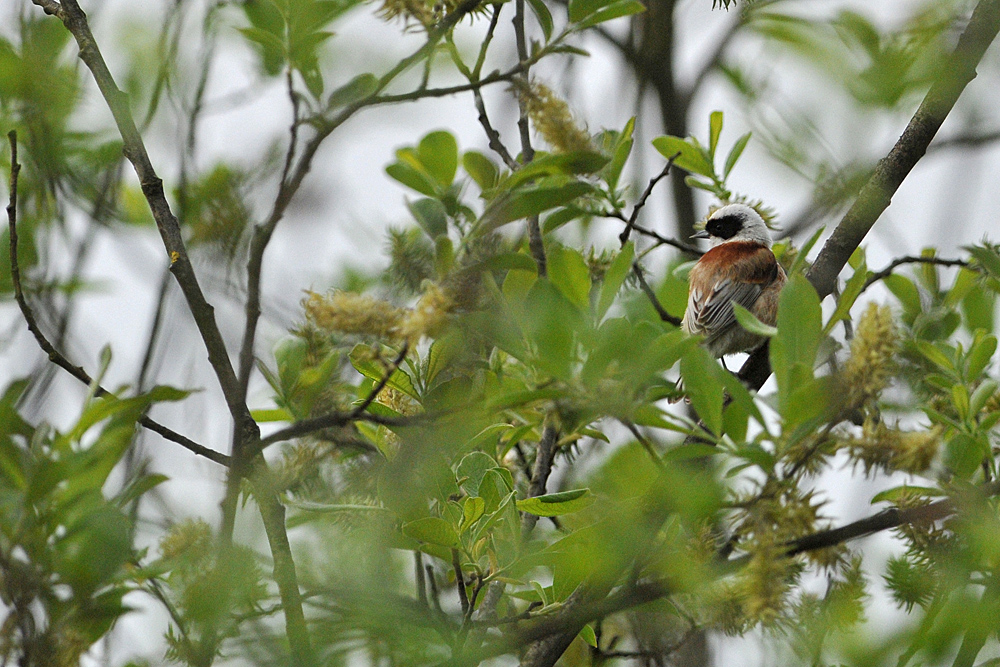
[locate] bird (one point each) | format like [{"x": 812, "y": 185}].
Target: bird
[{"x": 739, "y": 268}]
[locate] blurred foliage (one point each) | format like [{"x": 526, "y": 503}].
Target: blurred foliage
[{"x": 425, "y": 525}]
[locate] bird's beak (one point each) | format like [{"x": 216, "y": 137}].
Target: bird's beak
[{"x": 700, "y": 235}]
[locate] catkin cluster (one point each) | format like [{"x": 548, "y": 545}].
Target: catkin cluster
[
  {"x": 553, "y": 119},
  {"x": 873, "y": 353}
]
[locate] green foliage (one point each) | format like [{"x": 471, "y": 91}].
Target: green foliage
[
  {"x": 487, "y": 430},
  {"x": 66, "y": 548}
]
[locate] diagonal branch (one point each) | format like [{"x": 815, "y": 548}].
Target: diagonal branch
[
  {"x": 75, "y": 20},
  {"x": 54, "y": 355},
  {"x": 891, "y": 170}
]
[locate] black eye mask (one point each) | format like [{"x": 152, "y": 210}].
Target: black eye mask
[{"x": 725, "y": 227}]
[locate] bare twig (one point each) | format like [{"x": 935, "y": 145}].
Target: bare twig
[
  {"x": 535, "y": 242},
  {"x": 377, "y": 389},
  {"x": 653, "y": 299},
  {"x": 965, "y": 141},
  {"x": 887, "y": 271},
  {"x": 646, "y": 444},
  {"x": 75, "y": 20},
  {"x": 884, "y": 520},
  {"x": 463, "y": 596},
  {"x": 54, "y": 355},
  {"x": 630, "y": 223}
]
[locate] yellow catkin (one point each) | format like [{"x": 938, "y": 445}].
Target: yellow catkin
[
  {"x": 873, "y": 350},
  {"x": 892, "y": 450},
  {"x": 553, "y": 120},
  {"x": 351, "y": 313},
  {"x": 186, "y": 536}
]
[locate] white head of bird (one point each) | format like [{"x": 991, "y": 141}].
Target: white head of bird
[{"x": 735, "y": 222}]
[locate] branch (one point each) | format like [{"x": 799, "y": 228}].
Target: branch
[
  {"x": 965, "y": 141},
  {"x": 889, "y": 173},
  {"x": 75, "y": 20},
  {"x": 630, "y": 223},
  {"x": 890, "y": 518},
  {"x": 653, "y": 299},
  {"x": 891, "y": 170},
  {"x": 887, "y": 271},
  {"x": 54, "y": 355},
  {"x": 627, "y": 597},
  {"x": 535, "y": 242},
  {"x": 333, "y": 420}
]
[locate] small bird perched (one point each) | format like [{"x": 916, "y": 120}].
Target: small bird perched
[{"x": 740, "y": 268}]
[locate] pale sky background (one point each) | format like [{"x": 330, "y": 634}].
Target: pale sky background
[{"x": 347, "y": 202}]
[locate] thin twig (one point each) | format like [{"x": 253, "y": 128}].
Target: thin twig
[
  {"x": 535, "y": 241},
  {"x": 887, "y": 271},
  {"x": 418, "y": 570},
  {"x": 630, "y": 223},
  {"x": 463, "y": 595},
  {"x": 653, "y": 299},
  {"x": 377, "y": 389},
  {"x": 54, "y": 355},
  {"x": 646, "y": 444}
]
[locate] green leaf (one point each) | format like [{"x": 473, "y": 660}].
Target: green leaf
[
  {"x": 555, "y": 164},
  {"x": 904, "y": 290},
  {"x": 412, "y": 178},
  {"x": 613, "y": 11},
  {"x": 543, "y": 15},
  {"x": 749, "y": 321},
  {"x": 438, "y": 152},
  {"x": 931, "y": 353},
  {"x": 983, "y": 393},
  {"x": 691, "y": 157},
  {"x": 265, "y": 416},
  {"x": 471, "y": 470},
  {"x": 621, "y": 150},
  {"x": 552, "y": 323},
  {"x": 137, "y": 487},
  {"x": 557, "y": 504},
  {"x": 430, "y": 215},
  {"x": 964, "y": 453},
  {"x": 614, "y": 277},
  {"x": 714, "y": 130},
  {"x": 980, "y": 353},
  {"x": 432, "y": 530},
  {"x": 358, "y": 88},
  {"x": 986, "y": 258},
  {"x": 568, "y": 271},
  {"x": 794, "y": 347},
  {"x": 472, "y": 509},
  {"x": 703, "y": 385},
  {"x": 803, "y": 253},
  {"x": 850, "y": 294},
  {"x": 905, "y": 491},
  {"x": 581, "y": 9},
  {"x": 482, "y": 169},
  {"x": 734, "y": 154},
  {"x": 528, "y": 202},
  {"x": 588, "y": 635}
]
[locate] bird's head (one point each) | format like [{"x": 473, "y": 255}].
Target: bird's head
[{"x": 735, "y": 222}]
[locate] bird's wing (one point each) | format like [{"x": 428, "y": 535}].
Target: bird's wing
[{"x": 713, "y": 312}]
